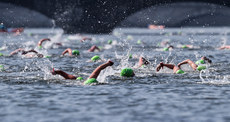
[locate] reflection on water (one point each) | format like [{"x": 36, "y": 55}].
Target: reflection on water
[{"x": 30, "y": 93}]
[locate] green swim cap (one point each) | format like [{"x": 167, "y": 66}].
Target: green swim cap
[
  {"x": 130, "y": 56},
  {"x": 199, "y": 68},
  {"x": 184, "y": 46},
  {"x": 110, "y": 41},
  {"x": 79, "y": 78},
  {"x": 179, "y": 71},
  {"x": 47, "y": 56},
  {"x": 2, "y": 67},
  {"x": 100, "y": 47},
  {"x": 158, "y": 44},
  {"x": 201, "y": 61},
  {"x": 139, "y": 42},
  {"x": 127, "y": 72},
  {"x": 75, "y": 52},
  {"x": 89, "y": 81},
  {"x": 129, "y": 37},
  {"x": 1, "y": 54},
  {"x": 95, "y": 58},
  {"x": 40, "y": 47},
  {"x": 166, "y": 49}
]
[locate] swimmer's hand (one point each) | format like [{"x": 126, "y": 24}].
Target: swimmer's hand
[
  {"x": 53, "y": 72},
  {"x": 110, "y": 63},
  {"x": 160, "y": 66}
]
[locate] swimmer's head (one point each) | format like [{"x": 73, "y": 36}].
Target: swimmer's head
[
  {"x": 40, "y": 55},
  {"x": 201, "y": 61},
  {"x": 2, "y": 68},
  {"x": 199, "y": 68},
  {"x": 166, "y": 49},
  {"x": 47, "y": 56},
  {"x": 75, "y": 52},
  {"x": 110, "y": 41},
  {"x": 179, "y": 71},
  {"x": 139, "y": 42},
  {"x": 79, "y": 78},
  {"x": 100, "y": 47},
  {"x": 184, "y": 46},
  {"x": 130, "y": 56},
  {"x": 1, "y": 54},
  {"x": 90, "y": 81},
  {"x": 127, "y": 72},
  {"x": 95, "y": 58}
]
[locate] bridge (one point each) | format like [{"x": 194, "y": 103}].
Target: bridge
[{"x": 94, "y": 16}]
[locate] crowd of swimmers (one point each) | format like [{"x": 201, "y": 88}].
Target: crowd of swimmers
[{"x": 126, "y": 72}]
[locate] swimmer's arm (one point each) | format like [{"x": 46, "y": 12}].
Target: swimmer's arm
[
  {"x": 30, "y": 51},
  {"x": 68, "y": 50},
  {"x": 16, "y": 51},
  {"x": 188, "y": 61},
  {"x": 224, "y": 47},
  {"x": 97, "y": 71},
  {"x": 85, "y": 38},
  {"x": 42, "y": 40},
  {"x": 183, "y": 62},
  {"x": 63, "y": 74},
  {"x": 94, "y": 48},
  {"x": 159, "y": 66}
]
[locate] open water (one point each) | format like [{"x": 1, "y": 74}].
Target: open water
[{"x": 29, "y": 92}]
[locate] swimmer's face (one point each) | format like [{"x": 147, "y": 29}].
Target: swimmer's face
[{"x": 40, "y": 55}]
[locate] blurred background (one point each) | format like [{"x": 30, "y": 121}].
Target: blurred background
[{"x": 102, "y": 16}]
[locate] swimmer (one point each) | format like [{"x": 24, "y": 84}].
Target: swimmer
[
  {"x": 3, "y": 28},
  {"x": 224, "y": 47},
  {"x": 187, "y": 46},
  {"x": 177, "y": 69},
  {"x": 92, "y": 78},
  {"x": 142, "y": 62},
  {"x": 23, "y": 52},
  {"x": 164, "y": 43},
  {"x": 41, "y": 41},
  {"x": 167, "y": 48},
  {"x": 93, "y": 48},
  {"x": 156, "y": 26},
  {"x": 70, "y": 52},
  {"x": 85, "y": 38},
  {"x": 127, "y": 72}
]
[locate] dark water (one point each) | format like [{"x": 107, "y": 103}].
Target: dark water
[{"x": 30, "y": 93}]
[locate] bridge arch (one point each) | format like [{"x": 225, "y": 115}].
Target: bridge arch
[
  {"x": 95, "y": 16},
  {"x": 180, "y": 14}
]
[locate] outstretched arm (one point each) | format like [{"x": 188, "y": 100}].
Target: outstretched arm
[
  {"x": 161, "y": 65},
  {"x": 170, "y": 66},
  {"x": 188, "y": 61},
  {"x": 63, "y": 74},
  {"x": 32, "y": 51},
  {"x": 29, "y": 51},
  {"x": 68, "y": 50},
  {"x": 224, "y": 47},
  {"x": 85, "y": 38},
  {"x": 16, "y": 51},
  {"x": 97, "y": 71},
  {"x": 93, "y": 48},
  {"x": 42, "y": 40}
]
